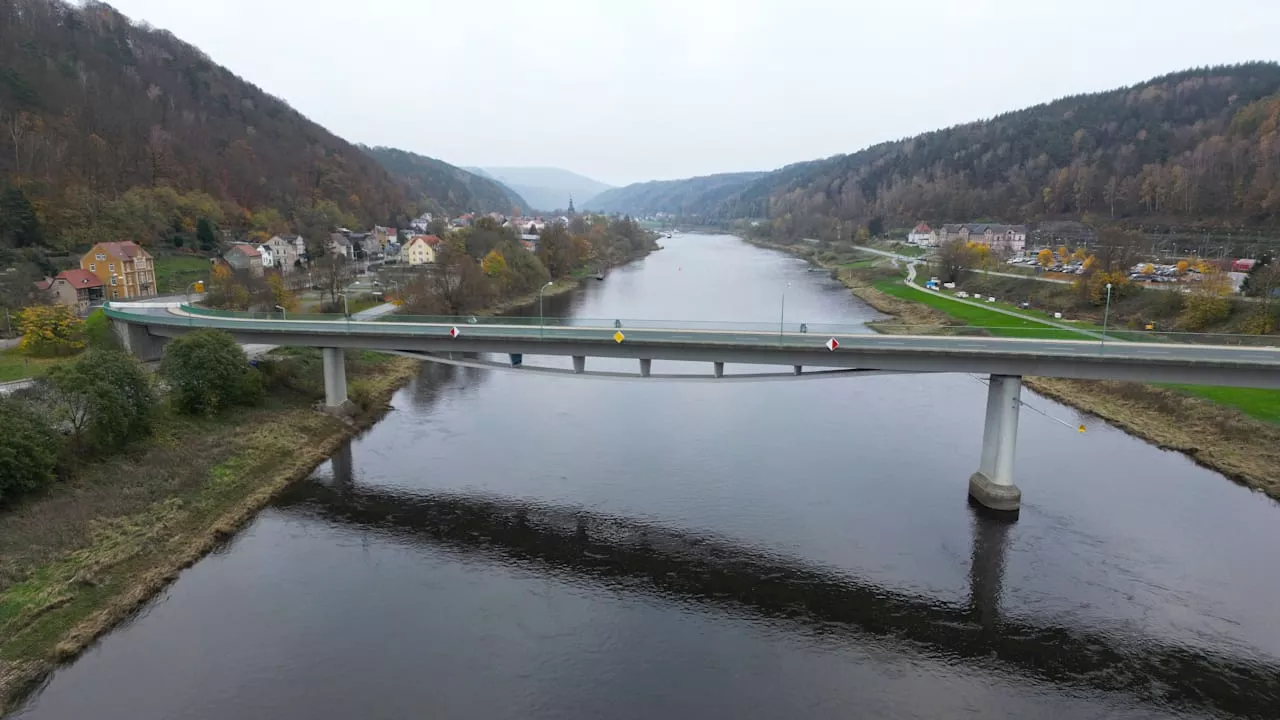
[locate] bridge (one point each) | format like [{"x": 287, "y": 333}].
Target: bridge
[{"x": 801, "y": 351}]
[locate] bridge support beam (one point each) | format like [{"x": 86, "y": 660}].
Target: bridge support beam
[
  {"x": 718, "y": 369},
  {"x": 992, "y": 486},
  {"x": 797, "y": 369},
  {"x": 335, "y": 379},
  {"x": 579, "y": 364},
  {"x": 645, "y": 366},
  {"x": 138, "y": 342}
]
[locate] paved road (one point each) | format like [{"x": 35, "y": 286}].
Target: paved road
[
  {"x": 911, "y": 280},
  {"x": 741, "y": 337}
]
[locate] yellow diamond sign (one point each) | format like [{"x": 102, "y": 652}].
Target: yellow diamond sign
[{"x": 619, "y": 337}]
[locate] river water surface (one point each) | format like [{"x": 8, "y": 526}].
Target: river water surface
[{"x": 508, "y": 546}]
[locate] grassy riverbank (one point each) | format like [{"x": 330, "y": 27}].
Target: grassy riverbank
[
  {"x": 80, "y": 558},
  {"x": 1224, "y": 429}
]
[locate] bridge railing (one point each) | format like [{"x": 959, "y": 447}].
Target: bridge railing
[{"x": 792, "y": 330}]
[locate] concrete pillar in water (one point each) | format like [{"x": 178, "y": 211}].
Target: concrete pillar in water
[
  {"x": 718, "y": 368},
  {"x": 335, "y": 378},
  {"x": 992, "y": 486},
  {"x": 645, "y": 366},
  {"x": 579, "y": 364}
]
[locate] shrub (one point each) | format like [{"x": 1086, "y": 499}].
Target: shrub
[
  {"x": 208, "y": 373},
  {"x": 50, "y": 330},
  {"x": 105, "y": 398},
  {"x": 98, "y": 334},
  {"x": 29, "y": 450},
  {"x": 1204, "y": 310}
]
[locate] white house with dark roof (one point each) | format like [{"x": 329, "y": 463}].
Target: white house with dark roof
[{"x": 922, "y": 234}]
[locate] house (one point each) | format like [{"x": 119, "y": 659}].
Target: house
[
  {"x": 78, "y": 288},
  {"x": 268, "y": 257},
  {"x": 922, "y": 234},
  {"x": 420, "y": 250},
  {"x": 126, "y": 270},
  {"x": 339, "y": 245},
  {"x": 422, "y": 223},
  {"x": 244, "y": 257},
  {"x": 384, "y": 236},
  {"x": 1005, "y": 238},
  {"x": 286, "y": 251}
]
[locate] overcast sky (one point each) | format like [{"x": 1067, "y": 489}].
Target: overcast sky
[{"x": 624, "y": 90}]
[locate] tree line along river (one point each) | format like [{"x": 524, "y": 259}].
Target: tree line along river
[{"x": 507, "y": 546}]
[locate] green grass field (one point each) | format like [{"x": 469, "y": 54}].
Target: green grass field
[
  {"x": 1256, "y": 403},
  {"x": 16, "y": 366},
  {"x": 174, "y": 273}
]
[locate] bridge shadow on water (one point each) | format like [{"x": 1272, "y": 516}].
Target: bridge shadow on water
[{"x": 637, "y": 556}]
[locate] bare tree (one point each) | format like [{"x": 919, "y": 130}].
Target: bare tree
[{"x": 955, "y": 257}]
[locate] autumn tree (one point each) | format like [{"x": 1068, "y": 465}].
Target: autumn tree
[
  {"x": 1045, "y": 257},
  {"x": 50, "y": 331},
  {"x": 955, "y": 257},
  {"x": 281, "y": 295}
]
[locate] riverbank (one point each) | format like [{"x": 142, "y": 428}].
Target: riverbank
[
  {"x": 1220, "y": 438},
  {"x": 83, "y": 557}
]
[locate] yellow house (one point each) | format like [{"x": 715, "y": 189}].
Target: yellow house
[
  {"x": 420, "y": 250},
  {"x": 126, "y": 270}
]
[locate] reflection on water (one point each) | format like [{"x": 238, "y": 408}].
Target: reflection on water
[{"x": 642, "y": 557}]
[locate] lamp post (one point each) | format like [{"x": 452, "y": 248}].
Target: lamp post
[
  {"x": 346, "y": 309},
  {"x": 284, "y": 314},
  {"x": 541, "y": 319},
  {"x": 198, "y": 286},
  {"x": 782, "y": 314},
  {"x": 1106, "y": 315}
]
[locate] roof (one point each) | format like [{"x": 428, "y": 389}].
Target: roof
[
  {"x": 245, "y": 249},
  {"x": 80, "y": 278},
  {"x": 923, "y": 228},
  {"x": 123, "y": 248},
  {"x": 339, "y": 239},
  {"x": 432, "y": 240}
]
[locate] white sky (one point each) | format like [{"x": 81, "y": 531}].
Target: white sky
[{"x": 624, "y": 91}]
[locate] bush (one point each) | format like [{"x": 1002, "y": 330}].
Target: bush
[
  {"x": 50, "y": 331},
  {"x": 29, "y": 451},
  {"x": 208, "y": 373},
  {"x": 98, "y": 333},
  {"x": 105, "y": 398},
  {"x": 1204, "y": 310}
]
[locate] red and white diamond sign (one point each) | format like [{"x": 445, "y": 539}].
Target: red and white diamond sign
[
  {"x": 832, "y": 344},
  {"x": 453, "y": 332}
]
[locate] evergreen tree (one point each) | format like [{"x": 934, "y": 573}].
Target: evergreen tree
[
  {"x": 19, "y": 225},
  {"x": 204, "y": 234}
]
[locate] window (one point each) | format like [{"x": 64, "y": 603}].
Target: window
[
  {"x": 113, "y": 279},
  {"x": 100, "y": 256},
  {"x": 115, "y": 294},
  {"x": 93, "y": 267}
]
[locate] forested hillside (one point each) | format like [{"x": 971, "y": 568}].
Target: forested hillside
[
  {"x": 698, "y": 196},
  {"x": 118, "y": 131},
  {"x": 1194, "y": 148},
  {"x": 450, "y": 189}
]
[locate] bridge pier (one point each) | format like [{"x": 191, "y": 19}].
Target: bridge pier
[
  {"x": 335, "y": 379},
  {"x": 645, "y": 366},
  {"x": 992, "y": 485},
  {"x": 138, "y": 342},
  {"x": 579, "y": 364},
  {"x": 718, "y": 369}
]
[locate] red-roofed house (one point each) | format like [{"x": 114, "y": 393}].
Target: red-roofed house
[
  {"x": 78, "y": 288},
  {"x": 922, "y": 234},
  {"x": 124, "y": 268},
  {"x": 244, "y": 257},
  {"x": 420, "y": 250}
]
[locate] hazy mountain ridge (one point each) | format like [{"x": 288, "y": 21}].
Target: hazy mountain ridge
[
  {"x": 453, "y": 190},
  {"x": 546, "y": 188},
  {"x": 708, "y": 195}
]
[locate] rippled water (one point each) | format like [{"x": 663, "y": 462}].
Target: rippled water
[{"x": 507, "y": 546}]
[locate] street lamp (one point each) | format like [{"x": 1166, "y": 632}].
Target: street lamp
[
  {"x": 782, "y": 315},
  {"x": 346, "y": 309},
  {"x": 198, "y": 286},
  {"x": 541, "y": 319},
  {"x": 284, "y": 314},
  {"x": 1106, "y": 314}
]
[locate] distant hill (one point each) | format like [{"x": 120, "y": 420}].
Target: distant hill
[
  {"x": 451, "y": 189},
  {"x": 546, "y": 188},
  {"x": 700, "y": 196},
  {"x": 1193, "y": 148},
  {"x": 115, "y": 130}
]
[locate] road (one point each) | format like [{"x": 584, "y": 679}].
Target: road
[
  {"x": 909, "y": 259},
  {"x": 911, "y": 280}
]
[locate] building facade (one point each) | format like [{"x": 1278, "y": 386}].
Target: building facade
[
  {"x": 419, "y": 250},
  {"x": 1000, "y": 238},
  {"x": 77, "y": 288},
  {"x": 125, "y": 269},
  {"x": 286, "y": 251},
  {"x": 245, "y": 258}
]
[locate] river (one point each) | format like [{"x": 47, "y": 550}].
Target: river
[{"x": 507, "y": 546}]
